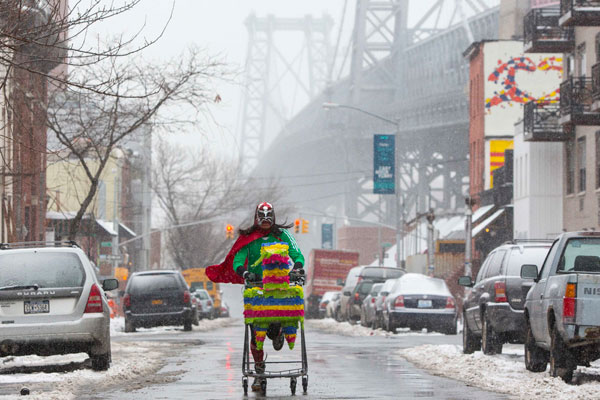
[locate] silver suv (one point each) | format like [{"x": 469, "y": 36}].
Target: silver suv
[{"x": 51, "y": 302}]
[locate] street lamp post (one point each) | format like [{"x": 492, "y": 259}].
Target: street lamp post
[{"x": 398, "y": 197}]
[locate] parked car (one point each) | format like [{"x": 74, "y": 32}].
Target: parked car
[
  {"x": 380, "y": 302},
  {"x": 418, "y": 301},
  {"x": 333, "y": 306},
  {"x": 562, "y": 321},
  {"x": 367, "y": 309},
  {"x": 360, "y": 292},
  {"x": 53, "y": 303},
  {"x": 357, "y": 274},
  {"x": 493, "y": 310},
  {"x": 325, "y": 299},
  {"x": 207, "y": 309},
  {"x": 224, "y": 310},
  {"x": 195, "y": 311},
  {"x": 156, "y": 298}
]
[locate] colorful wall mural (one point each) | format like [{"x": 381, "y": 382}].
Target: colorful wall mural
[{"x": 513, "y": 79}]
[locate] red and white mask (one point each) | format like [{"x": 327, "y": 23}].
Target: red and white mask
[{"x": 264, "y": 212}]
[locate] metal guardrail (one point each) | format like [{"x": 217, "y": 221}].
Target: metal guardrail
[
  {"x": 541, "y": 25},
  {"x": 570, "y": 5},
  {"x": 542, "y": 121},
  {"x": 576, "y": 96}
]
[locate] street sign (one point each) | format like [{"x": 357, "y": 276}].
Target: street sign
[
  {"x": 327, "y": 236},
  {"x": 384, "y": 178},
  {"x": 109, "y": 257},
  {"x": 105, "y": 244}
]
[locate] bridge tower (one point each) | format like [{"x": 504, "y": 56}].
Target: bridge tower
[
  {"x": 269, "y": 64},
  {"x": 383, "y": 40}
]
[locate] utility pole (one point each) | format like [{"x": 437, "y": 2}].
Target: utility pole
[
  {"x": 115, "y": 239},
  {"x": 468, "y": 227},
  {"x": 144, "y": 261}
]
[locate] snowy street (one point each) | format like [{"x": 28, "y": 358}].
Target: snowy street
[{"x": 162, "y": 363}]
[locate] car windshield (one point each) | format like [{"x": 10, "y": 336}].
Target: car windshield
[
  {"x": 581, "y": 255},
  {"x": 44, "y": 269},
  {"x": 202, "y": 295},
  {"x": 525, "y": 255},
  {"x": 153, "y": 282},
  {"x": 364, "y": 287},
  {"x": 375, "y": 289}
]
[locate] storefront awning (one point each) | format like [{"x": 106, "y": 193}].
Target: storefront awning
[{"x": 485, "y": 223}]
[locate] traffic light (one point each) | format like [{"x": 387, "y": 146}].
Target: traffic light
[
  {"x": 297, "y": 226},
  {"x": 304, "y": 226},
  {"x": 229, "y": 231}
]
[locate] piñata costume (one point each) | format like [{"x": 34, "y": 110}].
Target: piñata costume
[{"x": 276, "y": 301}]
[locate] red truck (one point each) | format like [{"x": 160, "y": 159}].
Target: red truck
[{"x": 325, "y": 268}]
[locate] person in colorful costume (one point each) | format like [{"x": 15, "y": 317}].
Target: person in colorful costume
[{"x": 240, "y": 264}]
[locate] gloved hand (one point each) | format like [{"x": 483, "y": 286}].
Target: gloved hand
[
  {"x": 298, "y": 265},
  {"x": 250, "y": 276}
]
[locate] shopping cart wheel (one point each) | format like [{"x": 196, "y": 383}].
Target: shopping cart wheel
[
  {"x": 263, "y": 387},
  {"x": 245, "y": 386},
  {"x": 305, "y": 384},
  {"x": 293, "y": 385}
]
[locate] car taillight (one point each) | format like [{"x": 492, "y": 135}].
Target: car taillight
[
  {"x": 500, "y": 288},
  {"x": 127, "y": 300},
  {"x": 356, "y": 296},
  {"x": 200, "y": 306},
  {"x": 399, "y": 302},
  {"x": 94, "y": 302},
  {"x": 569, "y": 308},
  {"x": 373, "y": 300},
  {"x": 186, "y": 297},
  {"x": 323, "y": 305},
  {"x": 450, "y": 303}
]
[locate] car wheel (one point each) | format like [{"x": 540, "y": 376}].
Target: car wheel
[
  {"x": 471, "y": 343},
  {"x": 129, "y": 326},
  {"x": 561, "y": 363},
  {"x": 536, "y": 358},
  {"x": 187, "y": 325},
  {"x": 490, "y": 342},
  {"x": 101, "y": 362}
]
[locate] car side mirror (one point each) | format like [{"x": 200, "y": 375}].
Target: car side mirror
[
  {"x": 465, "y": 281},
  {"x": 529, "y": 271},
  {"x": 340, "y": 282},
  {"x": 110, "y": 284},
  {"x": 347, "y": 293}
]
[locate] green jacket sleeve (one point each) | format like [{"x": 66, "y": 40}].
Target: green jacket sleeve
[
  {"x": 294, "y": 250},
  {"x": 240, "y": 258}
]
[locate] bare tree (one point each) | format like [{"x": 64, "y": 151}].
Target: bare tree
[
  {"x": 90, "y": 125},
  {"x": 200, "y": 194},
  {"x": 39, "y": 35}
]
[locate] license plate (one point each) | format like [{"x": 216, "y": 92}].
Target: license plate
[
  {"x": 37, "y": 306},
  {"x": 155, "y": 302},
  {"x": 424, "y": 304}
]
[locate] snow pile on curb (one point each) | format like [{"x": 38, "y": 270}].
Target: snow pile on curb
[
  {"x": 130, "y": 361},
  {"x": 329, "y": 325},
  {"x": 504, "y": 373},
  {"x": 117, "y": 326}
]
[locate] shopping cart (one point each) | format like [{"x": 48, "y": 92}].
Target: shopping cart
[{"x": 292, "y": 369}]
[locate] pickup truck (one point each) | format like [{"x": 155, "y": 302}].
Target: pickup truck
[{"x": 562, "y": 309}]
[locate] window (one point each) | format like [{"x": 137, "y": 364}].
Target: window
[
  {"x": 209, "y": 285},
  {"x": 45, "y": 269},
  {"x": 527, "y": 255},
  {"x": 581, "y": 160},
  {"x": 597, "y": 42},
  {"x": 495, "y": 264},
  {"x": 570, "y": 159},
  {"x": 581, "y": 254},
  {"x": 484, "y": 266},
  {"x": 581, "y": 60}
]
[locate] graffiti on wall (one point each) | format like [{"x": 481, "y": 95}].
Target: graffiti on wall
[{"x": 509, "y": 92}]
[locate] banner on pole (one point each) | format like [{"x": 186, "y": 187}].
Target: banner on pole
[
  {"x": 327, "y": 236},
  {"x": 384, "y": 174}
]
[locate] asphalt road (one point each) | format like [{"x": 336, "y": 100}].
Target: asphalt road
[{"x": 207, "y": 365}]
